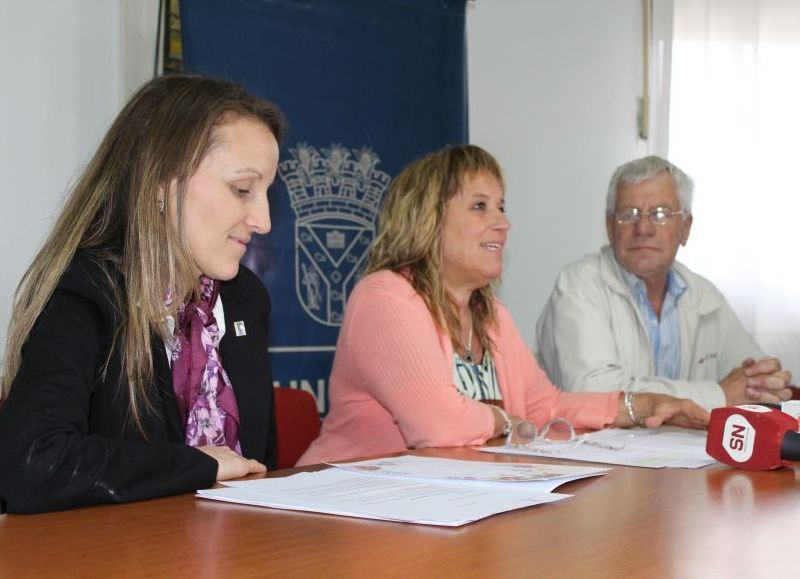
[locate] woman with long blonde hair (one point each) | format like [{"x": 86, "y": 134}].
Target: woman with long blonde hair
[
  {"x": 136, "y": 358},
  {"x": 426, "y": 355}
]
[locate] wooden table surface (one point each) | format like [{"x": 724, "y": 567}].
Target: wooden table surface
[{"x": 633, "y": 522}]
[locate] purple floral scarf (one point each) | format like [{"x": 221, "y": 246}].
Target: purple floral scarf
[{"x": 206, "y": 404}]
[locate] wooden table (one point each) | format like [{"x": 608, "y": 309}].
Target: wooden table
[{"x": 713, "y": 522}]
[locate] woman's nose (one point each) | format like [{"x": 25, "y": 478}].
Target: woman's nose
[
  {"x": 502, "y": 222},
  {"x": 258, "y": 215}
]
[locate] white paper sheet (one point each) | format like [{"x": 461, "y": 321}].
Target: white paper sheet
[
  {"x": 531, "y": 476},
  {"x": 649, "y": 448},
  {"x": 342, "y": 492}
]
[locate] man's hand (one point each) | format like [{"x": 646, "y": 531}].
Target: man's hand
[{"x": 757, "y": 381}]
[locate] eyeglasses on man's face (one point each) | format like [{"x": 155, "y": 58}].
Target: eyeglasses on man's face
[{"x": 657, "y": 215}]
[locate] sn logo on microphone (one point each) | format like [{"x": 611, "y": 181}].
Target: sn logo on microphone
[{"x": 738, "y": 438}]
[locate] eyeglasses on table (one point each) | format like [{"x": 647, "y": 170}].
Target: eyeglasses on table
[{"x": 557, "y": 435}]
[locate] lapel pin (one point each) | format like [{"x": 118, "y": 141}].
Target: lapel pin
[{"x": 238, "y": 327}]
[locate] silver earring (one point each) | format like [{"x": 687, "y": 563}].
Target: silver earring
[{"x": 161, "y": 206}]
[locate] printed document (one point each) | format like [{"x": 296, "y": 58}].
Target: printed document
[
  {"x": 431, "y": 501},
  {"x": 649, "y": 448}
]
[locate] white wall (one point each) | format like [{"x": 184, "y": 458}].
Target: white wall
[
  {"x": 553, "y": 89},
  {"x": 66, "y": 67}
]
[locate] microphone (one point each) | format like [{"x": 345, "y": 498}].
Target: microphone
[{"x": 753, "y": 437}]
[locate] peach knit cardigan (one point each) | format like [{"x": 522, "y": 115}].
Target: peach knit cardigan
[{"x": 391, "y": 387}]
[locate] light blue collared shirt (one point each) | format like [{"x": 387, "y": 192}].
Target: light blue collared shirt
[{"x": 665, "y": 337}]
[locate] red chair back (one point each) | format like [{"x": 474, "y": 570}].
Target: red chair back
[{"x": 297, "y": 423}]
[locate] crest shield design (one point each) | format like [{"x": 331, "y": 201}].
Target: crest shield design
[{"x": 335, "y": 195}]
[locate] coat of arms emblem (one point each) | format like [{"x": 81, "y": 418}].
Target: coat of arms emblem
[{"x": 335, "y": 194}]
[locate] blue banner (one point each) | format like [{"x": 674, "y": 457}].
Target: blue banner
[{"x": 366, "y": 86}]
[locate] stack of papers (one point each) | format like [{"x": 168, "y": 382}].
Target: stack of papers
[
  {"x": 411, "y": 489},
  {"x": 650, "y": 448}
]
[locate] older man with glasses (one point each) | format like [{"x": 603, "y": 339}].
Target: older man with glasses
[{"x": 633, "y": 318}]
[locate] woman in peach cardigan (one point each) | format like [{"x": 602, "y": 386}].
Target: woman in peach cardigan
[{"x": 427, "y": 356}]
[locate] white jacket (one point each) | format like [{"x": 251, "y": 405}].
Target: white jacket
[{"x": 592, "y": 338}]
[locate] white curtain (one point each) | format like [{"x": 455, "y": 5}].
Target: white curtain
[{"x": 734, "y": 126}]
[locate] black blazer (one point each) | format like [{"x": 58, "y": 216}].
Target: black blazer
[{"x": 65, "y": 436}]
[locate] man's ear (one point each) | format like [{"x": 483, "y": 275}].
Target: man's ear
[
  {"x": 687, "y": 228},
  {"x": 610, "y": 228}
]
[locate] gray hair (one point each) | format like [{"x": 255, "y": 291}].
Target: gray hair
[{"x": 634, "y": 172}]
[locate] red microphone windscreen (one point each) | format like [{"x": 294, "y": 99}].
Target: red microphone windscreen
[{"x": 748, "y": 436}]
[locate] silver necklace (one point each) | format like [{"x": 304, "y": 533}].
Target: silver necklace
[{"x": 469, "y": 355}]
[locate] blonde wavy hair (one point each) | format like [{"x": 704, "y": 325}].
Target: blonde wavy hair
[
  {"x": 117, "y": 216},
  {"x": 410, "y": 231}
]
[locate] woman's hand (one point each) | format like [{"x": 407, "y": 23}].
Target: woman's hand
[
  {"x": 654, "y": 410},
  {"x": 500, "y": 420},
  {"x": 231, "y": 465}
]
